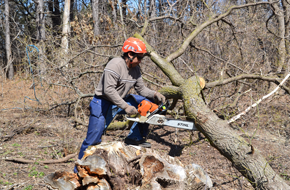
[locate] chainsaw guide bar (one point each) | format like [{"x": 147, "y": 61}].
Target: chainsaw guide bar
[{"x": 151, "y": 113}]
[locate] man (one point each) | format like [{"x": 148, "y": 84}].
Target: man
[{"x": 111, "y": 96}]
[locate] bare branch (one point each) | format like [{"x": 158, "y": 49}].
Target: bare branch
[
  {"x": 222, "y": 60},
  {"x": 157, "y": 18},
  {"x": 259, "y": 101},
  {"x": 268, "y": 26},
  {"x": 84, "y": 73},
  {"x": 234, "y": 34},
  {"x": 211, "y": 20},
  {"x": 151, "y": 82},
  {"x": 246, "y": 76},
  {"x": 90, "y": 50},
  {"x": 62, "y": 104},
  {"x": 20, "y": 160}
]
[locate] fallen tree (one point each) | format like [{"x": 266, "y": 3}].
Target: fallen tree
[{"x": 244, "y": 156}]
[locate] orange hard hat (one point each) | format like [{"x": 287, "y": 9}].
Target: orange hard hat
[{"x": 135, "y": 45}]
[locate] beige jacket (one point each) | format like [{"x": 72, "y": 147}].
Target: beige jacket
[{"x": 118, "y": 79}]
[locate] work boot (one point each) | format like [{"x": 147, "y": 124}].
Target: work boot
[{"x": 141, "y": 143}]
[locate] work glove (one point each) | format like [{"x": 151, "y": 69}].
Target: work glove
[
  {"x": 159, "y": 98},
  {"x": 131, "y": 110}
]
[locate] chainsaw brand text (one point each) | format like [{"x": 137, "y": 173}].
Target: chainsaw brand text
[{"x": 182, "y": 124}]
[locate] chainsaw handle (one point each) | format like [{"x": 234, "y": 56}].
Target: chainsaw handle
[{"x": 163, "y": 110}]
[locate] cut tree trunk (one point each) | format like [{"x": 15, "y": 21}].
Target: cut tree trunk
[{"x": 116, "y": 166}]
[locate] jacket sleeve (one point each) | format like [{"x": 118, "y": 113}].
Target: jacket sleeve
[
  {"x": 111, "y": 79},
  {"x": 142, "y": 89}
]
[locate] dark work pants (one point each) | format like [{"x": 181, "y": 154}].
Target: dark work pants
[{"x": 101, "y": 114}]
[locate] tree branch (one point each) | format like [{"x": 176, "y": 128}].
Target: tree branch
[
  {"x": 89, "y": 50},
  {"x": 171, "y": 92},
  {"x": 84, "y": 73},
  {"x": 246, "y": 76},
  {"x": 20, "y": 160},
  {"x": 146, "y": 24},
  {"x": 220, "y": 59},
  {"x": 259, "y": 101},
  {"x": 214, "y": 18}
]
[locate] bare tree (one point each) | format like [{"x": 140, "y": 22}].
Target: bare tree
[
  {"x": 124, "y": 8},
  {"x": 9, "y": 67},
  {"x": 41, "y": 34},
  {"x": 279, "y": 12},
  {"x": 95, "y": 10},
  {"x": 72, "y": 12},
  {"x": 40, "y": 21},
  {"x": 114, "y": 10},
  {"x": 53, "y": 6},
  {"x": 65, "y": 29}
]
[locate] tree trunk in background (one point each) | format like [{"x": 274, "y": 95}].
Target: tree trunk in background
[
  {"x": 124, "y": 4},
  {"x": 152, "y": 9},
  {"x": 122, "y": 20},
  {"x": 65, "y": 30},
  {"x": 95, "y": 9},
  {"x": 40, "y": 22},
  {"x": 286, "y": 8},
  {"x": 53, "y": 6},
  {"x": 41, "y": 36},
  {"x": 152, "y": 14},
  {"x": 114, "y": 9},
  {"x": 71, "y": 16},
  {"x": 279, "y": 13},
  {"x": 9, "y": 67},
  {"x": 160, "y": 6}
]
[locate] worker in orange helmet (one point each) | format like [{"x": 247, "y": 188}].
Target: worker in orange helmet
[{"x": 111, "y": 96}]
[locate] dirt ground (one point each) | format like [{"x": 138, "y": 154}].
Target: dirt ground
[{"x": 37, "y": 137}]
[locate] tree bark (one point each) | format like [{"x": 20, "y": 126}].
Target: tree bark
[
  {"x": 281, "y": 34},
  {"x": 124, "y": 7},
  {"x": 95, "y": 9},
  {"x": 41, "y": 36},
  {"x": 122, "y": 19},
  {"x": 65, "y": 30},
  {"x": 286, "y": 8},
  {"x": 40, "y": 21},
  {"x": 152, "y": 9},
  {"x": 9, "y": 67}
]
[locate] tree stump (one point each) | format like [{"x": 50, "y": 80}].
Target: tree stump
[{"x": 117, "y": 166}]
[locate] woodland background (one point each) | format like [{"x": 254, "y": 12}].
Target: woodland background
[{"x": 53, "y": 52}]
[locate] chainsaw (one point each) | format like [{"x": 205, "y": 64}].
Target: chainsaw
[{"x": 152, "y": 114}]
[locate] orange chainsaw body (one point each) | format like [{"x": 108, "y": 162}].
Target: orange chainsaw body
[{"x": 146, "y": 107}]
